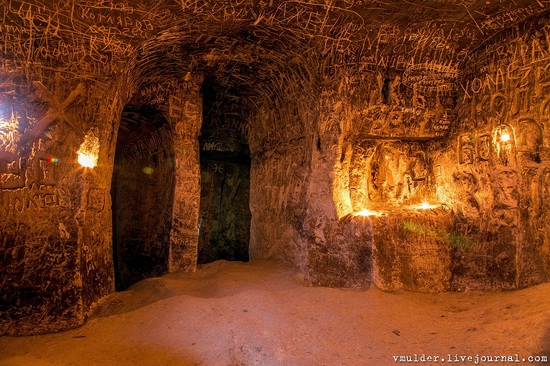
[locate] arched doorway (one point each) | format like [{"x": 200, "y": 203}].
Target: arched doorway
[{"x": 142, "y": 196}]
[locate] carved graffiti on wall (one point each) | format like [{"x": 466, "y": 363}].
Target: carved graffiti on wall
[
  {"x": 389, "y": 167},
  {"x": 506, "y": 197},
  {"x": 468, "y": 205},
  {"x": 157, "y": 142},
  {"x": 26, "y": 142},
  {"x": 36, "y": 198},
  {"x": 532, "y": 195},
  {"x": 57, "y": 107},
  {"x": 13, "y": 174},
  {"x": 431, "y": 77},
  {"x": 386, "y": 174},
  {"x": 486, "y": 183},
  {"x": 398, "y": 105},
  {"x": 176, "y": 107},
  {"x": 96, "y": 199},
  {"x": 282, "y": 179},
  {"x": 418, "y": 166},
  {"x": 484, "y": 147},
  {"x": 529, "y": 141},
  {"x": 505, "y": 145},
  {"x": 466, "y": 149}
]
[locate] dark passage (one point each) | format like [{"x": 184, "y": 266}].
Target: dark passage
[
  {"x": 142, "y": 191},
  {"x": 224, "y": 221}
]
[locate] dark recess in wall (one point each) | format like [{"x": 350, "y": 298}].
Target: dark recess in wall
[
  {"x": 142, "y": 192},
  {"x": 224, "y": 221},
  {"x": 224, "y": 218}
]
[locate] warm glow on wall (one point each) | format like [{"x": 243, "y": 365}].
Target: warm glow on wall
[
  {"x": 87, "y": 160},
  {"x": 425, "y": 205},
  {"x": 505, "y": 137},
  {"x": 89, "y": 151},
  {"x": 8, "y": 128},
  {"x": 4, "y": 126},
  {"x": 366, "y": 213}
]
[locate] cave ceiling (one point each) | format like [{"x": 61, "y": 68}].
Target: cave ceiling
[{"x": 241, "y": 44}]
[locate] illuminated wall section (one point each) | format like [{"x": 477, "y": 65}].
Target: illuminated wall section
[
  {"x": 459, "y": 203},
  {"x": 55, "y": 223}
]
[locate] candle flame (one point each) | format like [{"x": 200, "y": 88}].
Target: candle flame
[
  {"x": 87, "y": 160},
  {"x": 366, "y": 213},
  {"x": 505, "y": 137},
  {"x": 89, "y": 150},
  {"x": 425, "y": 205}
]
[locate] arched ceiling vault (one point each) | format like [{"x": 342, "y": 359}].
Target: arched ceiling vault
[
  {"x": 249, "y": 47},
  {"x": 236, "y": 36}
]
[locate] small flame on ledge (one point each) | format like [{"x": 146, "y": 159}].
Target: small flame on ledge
[
  {"x": 366, "y": 213},
  {"x": 89, "y": 150},
  {"x": 87, "y": 160},
  {"x": 424, "y": 206}
]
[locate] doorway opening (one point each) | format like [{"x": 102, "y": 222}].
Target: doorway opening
[
  {"x": 224, "y": 216},
  {"x": 142, "y": 192}
]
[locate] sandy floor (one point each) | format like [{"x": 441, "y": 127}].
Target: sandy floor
[{"x": 231, "y": 313}]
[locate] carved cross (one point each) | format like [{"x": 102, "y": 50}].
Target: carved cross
[{"x": 55, "y": 111}]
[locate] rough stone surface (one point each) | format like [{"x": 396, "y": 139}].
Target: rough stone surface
[
  {"x": 344, "y": 106},
  {"x": 497, "y": 187},
  {"x": 185, "y": 116},
  {"x": 56, "y": 222},
  {"x": 413, "y": 251},
  {"x": 278, "y": 187}
]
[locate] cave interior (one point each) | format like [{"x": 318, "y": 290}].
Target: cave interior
[{"x": 396, "y": 144}]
